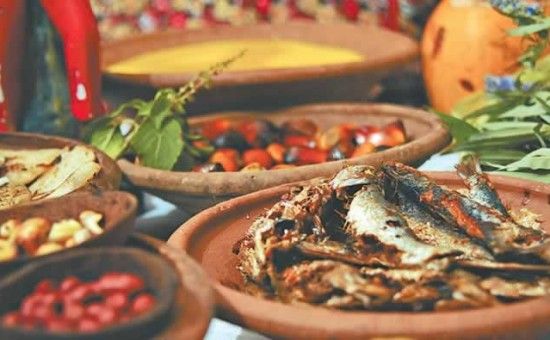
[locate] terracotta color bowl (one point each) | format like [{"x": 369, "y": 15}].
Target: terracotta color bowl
[
  {"x": 108, "y": 177},
  {"x": 118, "y": 210},
  {"x": 209, "y": 238},
  {"x": 195, "y": 191},
  {"x": 89, "y": 264},
  {"x": 267, "y": 89},
  {"x": 194, "y": 302}
]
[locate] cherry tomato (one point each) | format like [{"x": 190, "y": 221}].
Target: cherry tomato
[
  {"x": 69, "y": 283},
  {"x": 113, "y": 282},
  {"x": 118, "y": 301}
]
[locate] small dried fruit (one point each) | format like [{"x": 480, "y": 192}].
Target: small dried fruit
[
  {"x": 228, "y": 158},
  {"x": 253, "y": 167},
  {"x": 90, "y": 220},
  {"x": 32, "y": 233},
  {"x": 301, "y": 141},
  {"x": 303, "y": 156},
  {"x": 48, "y": 248},
  {"x": 363, "y": 149},
  {"x": 64, "y": 230},
  {"x": 277, "y": 152}
]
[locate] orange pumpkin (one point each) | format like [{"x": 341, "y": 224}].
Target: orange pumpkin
[{"x": 464, "y": 40}]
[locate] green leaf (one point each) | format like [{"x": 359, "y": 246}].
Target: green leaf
[
  {"x": 158, "y": 147},
  {"x": 496, "y": 109},
  {"x": 135, "y": 104},
  {"x": 106, "y": 136},
  {"x": 539, "y": 176},
  {"x": 530, "y": 29},
  {"x": 524, "y": 111},
  {"x": 536, "y": 160},
  {"x": 509, "y": 125},
  {"x": 500, "y": 156},
  {"x": 460, "y": 129}
]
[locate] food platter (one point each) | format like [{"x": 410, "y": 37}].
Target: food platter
[
  {"x": 195, "y": 191},
  {"x": 210, "y": 236}
]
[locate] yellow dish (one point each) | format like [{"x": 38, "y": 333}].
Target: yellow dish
[{"x": 260, "y": 54}]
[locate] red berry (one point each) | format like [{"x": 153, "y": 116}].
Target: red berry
[
  {"x": 118, "y": 301},
  {"x": 79, "y": 293},
  {"x": 57, "y": 325},
  {"x": 115, "y": 282},
  {"x": 143, "y": 303},
  {"x": 88, "y": 325},
  {"x": 11, "y": 319},
  {"x": 73, "y": 311},
  {"x": 69, "y": 283},
  {"x": 44, "y": 286},
  {"x": 28, "y": 305}
]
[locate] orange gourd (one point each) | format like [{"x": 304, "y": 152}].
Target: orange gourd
[{"x": 464, "y": 40}]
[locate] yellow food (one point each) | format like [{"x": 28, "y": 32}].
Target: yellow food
[{"x": 260, "y": 54}]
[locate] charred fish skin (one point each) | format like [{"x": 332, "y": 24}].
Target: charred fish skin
[
  {"x": 481, "y": 188},
  {"x": 370, "y": 215},
  {"x": 438, "y": 233},
  {"x": 501, "y": 234}
]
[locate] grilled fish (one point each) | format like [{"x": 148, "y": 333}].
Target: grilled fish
[
  {"x": 480, "y": 188},
  {"x": 371, "y": 218},
  {"x": 501, "y": 234}
]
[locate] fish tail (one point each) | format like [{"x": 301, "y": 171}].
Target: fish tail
[{"x": 468, "y": 167}]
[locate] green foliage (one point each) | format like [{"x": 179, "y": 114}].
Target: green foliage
[{"x": 156, "y": 131}]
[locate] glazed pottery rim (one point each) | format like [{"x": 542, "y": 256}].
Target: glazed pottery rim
[
  {"x": 128, "y": 202},
  {"x": 170, "y": 286},
  {"x": 275, "y": 75},
  {"x": 197, "y": 184},
  {"x": 238, "y": 306}
]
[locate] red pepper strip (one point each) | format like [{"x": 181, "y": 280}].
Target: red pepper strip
[
  {"x": 11, "y": 52},
  {"x": 75, "y": 22}
]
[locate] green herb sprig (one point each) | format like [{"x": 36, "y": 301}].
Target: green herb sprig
[
  {"x": 156, "y": 131},
  {"x": 508, "y": 125}
]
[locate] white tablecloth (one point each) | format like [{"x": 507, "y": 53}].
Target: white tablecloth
[{"x": 162, "y": 217}]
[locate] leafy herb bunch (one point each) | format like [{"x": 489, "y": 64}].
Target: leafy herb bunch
[
  {"x": 156, "y": 132},
  {"x": 508, "y": 125}
]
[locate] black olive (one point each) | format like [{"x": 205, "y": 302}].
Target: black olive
[
  {"x": 291, "y": 155},
  {"x": 336, "y": 154},
  {"x": 231, "y": 139},
  {"x": 268, "y": 133},
  {"x": 210, "y": 167}
]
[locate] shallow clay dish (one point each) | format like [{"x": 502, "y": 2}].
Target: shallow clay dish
[
  {"x": 118, "y": 210},
  {"x": 194, "y": 301},
  {"x": 209, "y": 238},
  {"x": 89, "y": 264},
  {"x": 108, "y": 177},
  {"x": 266, "y": 89},
  {"x": 366, "y": 40},
  {"x": 195, "y": 191}
]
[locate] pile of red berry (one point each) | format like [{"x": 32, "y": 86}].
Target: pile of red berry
[{"x": 76, "y": 306}]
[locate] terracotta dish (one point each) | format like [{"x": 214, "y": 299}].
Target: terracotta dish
[
  {"x": 194, "y": 302},
  {"x": 118, "y": 210},
  {"x": 209, "y": 237},
  {"x": 108, "y": 177},
  {"x": 383, "y": 50},
  {"x": 89, "y": 264},
  {"x": 195, "y": 191}
]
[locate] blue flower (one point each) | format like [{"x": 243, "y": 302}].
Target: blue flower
[
  {"x": 507, "y": 83},
  {"x": 492, "y": 83},
  {"x": 532, "y": 9}
]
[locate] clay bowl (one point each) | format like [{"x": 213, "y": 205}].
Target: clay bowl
[
  {"x": 209, "y": 238},
  {"x": 108, "y": 177},
  {"x": 194, "y": 304},
  {"x": 89, "y": 264},
  {"x": 195, "y": 191},
  {"x": 267, "y": 89},
  {"x": 118, "y": 210}
]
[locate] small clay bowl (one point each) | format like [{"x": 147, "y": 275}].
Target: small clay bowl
[
  {"x": 108, "y": 177},
  {"x": 118, "y": 210},
  {"x": 194, "y": 191},
  {"x": 209, "y": 238},
  {"x": 89, "y": 264},
  {"x": 194, "y": 304}
]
